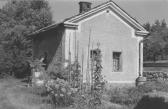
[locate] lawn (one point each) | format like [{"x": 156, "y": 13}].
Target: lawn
[{"x": 15, "y": 95}]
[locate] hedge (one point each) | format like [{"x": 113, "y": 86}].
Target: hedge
[
  {"x": 153, "y": 100},
  {"x": 132, "y": 95}
]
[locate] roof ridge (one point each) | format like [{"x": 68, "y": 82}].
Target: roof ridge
[
  {"x": 87, "y": 10},
  {"x": 109, "y": 1},
  {"x": 55, "y": 24}
]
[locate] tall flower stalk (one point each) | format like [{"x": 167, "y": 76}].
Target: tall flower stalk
[{"x": 97, "y": 79}]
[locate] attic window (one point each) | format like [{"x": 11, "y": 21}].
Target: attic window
[{"x": 107, "y": 11}]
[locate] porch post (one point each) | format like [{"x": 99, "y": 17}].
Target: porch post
[{"x": 141, "y": 58}]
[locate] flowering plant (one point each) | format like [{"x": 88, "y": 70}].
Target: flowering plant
[{"x": 60, "y": 91}]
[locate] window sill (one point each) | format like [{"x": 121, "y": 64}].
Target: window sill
[{"x": 117, "y": 71}]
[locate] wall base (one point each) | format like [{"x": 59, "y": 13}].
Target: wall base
[{"x": 140, "y": 80}]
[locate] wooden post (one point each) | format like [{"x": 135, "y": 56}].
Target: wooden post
[
  {"x": 75, "y": 47},
  {"x": 88, "y": 64},
  {"x": 82, "y": 71},
  {"x": 77, "y": 50},
  {"x": 69, "y": 75},
  {"x": 92, "y": 67}
]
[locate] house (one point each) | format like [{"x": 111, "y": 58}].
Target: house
[{"x": 107, "y": 26}]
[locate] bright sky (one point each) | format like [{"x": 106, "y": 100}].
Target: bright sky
[{"x": 143, "y": 10}]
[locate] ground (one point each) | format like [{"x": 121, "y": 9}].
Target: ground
[{"x": 15, "y": 94}]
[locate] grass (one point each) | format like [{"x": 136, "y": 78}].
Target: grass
[
  {"x": 132, "y": 95},
  {"x": 14, "y": 95},
  {"x": 153, "y": 100}
]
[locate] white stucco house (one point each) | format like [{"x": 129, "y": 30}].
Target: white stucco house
[{"x": 119, "y": 37}]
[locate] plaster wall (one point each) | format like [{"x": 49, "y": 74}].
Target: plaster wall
[{"x": 114, "y": 35}]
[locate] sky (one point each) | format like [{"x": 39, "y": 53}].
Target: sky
[{"x": 142, "y": 10}]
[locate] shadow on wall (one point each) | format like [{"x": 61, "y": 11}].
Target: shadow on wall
[
  {"x": 155, "y": 100},
  {"x": 50, "y": 43}
]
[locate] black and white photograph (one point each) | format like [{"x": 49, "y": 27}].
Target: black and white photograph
[{"x": 83, "y": 54}]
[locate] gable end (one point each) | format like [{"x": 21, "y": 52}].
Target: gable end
[{"x": 114, "y": 8}]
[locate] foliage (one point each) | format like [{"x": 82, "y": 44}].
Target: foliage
[
  {"x": 18, "y": 19},
  {"x": 153, "y": 100},
  {"x": 131, "y": 96},
  {"x": 75, "y": 75},
  {"x": 152, "y": 50},
  {"x": 58, "y": 89},
  {"x": 98, "y": 83},
  {"x": 60, "y": 92},
  {"x": 81, "y": 100},
  {"x": 155, "y": 45},
  {"x": 65, "y": 93},
  {"x": 70, "y": 73},
  {"x": 92, "y": 99}
]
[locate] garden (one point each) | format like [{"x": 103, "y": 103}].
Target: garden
[{"x": 67, "y": 90}]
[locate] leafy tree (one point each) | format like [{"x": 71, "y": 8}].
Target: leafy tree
[
  {"x": 147, "y": 26},
  {"x": 166, "y": 49},
  {"x": 19, "y": 18},
  {"x": 155, "y": 44},
  {"x": 156, "y": 26},
  {"x": 163, "y": 24}
]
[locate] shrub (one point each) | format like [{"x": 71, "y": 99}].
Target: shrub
[
  {"x": 87, "y": 101},
  {"x": 131, "y": 96},
  {"x": 81, "y": 101},
  {"x": 60, "y": 92},
  {"x": 154, "y": 100}
]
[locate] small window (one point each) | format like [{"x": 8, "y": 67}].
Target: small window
[
  {"x": 117, "y": 66},
  {"x": 93, "y": 53}
]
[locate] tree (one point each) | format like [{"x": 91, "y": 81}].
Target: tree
[
  {"x": 19, "y": 18},
  {"x": 147, "y": 26},
  {"x": 152, "y": 51},
  {"x": 155, "y": 45},
  {"x": 166, "y": 49},
  {"x": 163, "y": 24}
]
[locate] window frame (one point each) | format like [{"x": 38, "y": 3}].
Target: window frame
[{"x": 120, "y": 61}]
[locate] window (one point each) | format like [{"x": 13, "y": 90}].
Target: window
[
  {"x": 117, "y": 61},
  {"x": 93, "y": 53}
]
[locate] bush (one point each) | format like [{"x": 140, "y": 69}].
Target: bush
[
  {"x": 60, "y": 92},
  {"x": 131, "y": 96},
  {"x": 154, "y": 100}
]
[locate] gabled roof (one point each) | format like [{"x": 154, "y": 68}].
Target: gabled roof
[{"x": 72, "y": 21}]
